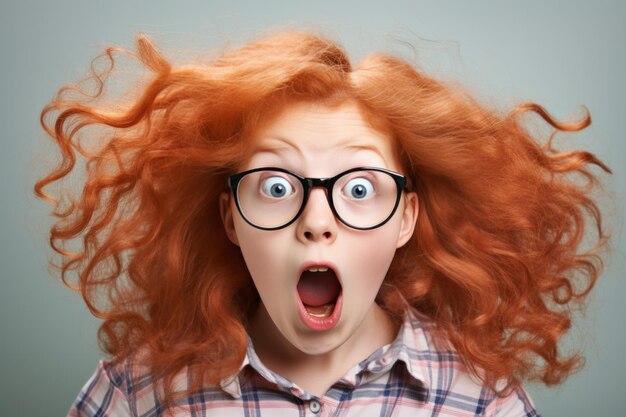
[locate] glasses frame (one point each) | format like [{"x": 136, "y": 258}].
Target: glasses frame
[{"x": 308, "y": 184}]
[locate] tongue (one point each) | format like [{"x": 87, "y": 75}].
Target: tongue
[{"x": 318, "y": 288}]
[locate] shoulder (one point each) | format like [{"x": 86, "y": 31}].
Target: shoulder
[
  {"x": 105, "y": 394},
  {"x": 128, "y": 389},
  {"x": 452, "y": 386},
  {"x": 118, "y": 389}
]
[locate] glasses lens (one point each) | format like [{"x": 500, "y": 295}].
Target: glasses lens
[
  {"x": 269, "y": 198},
  {"x": 365, "y": 198}
]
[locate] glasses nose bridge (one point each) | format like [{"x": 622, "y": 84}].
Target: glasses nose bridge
[
  {"x": 325, "y": 183},
  {"x": 320, "y": 182}
]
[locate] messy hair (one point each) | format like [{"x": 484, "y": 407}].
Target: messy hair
[{"x": 508, "y": 238}]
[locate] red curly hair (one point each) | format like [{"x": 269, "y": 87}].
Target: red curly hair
[{"x": 496, "y": 261}]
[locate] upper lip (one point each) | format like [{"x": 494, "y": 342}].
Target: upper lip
[{"x": 317, "y": 264}]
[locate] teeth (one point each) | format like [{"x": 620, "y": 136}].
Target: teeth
[
  {"x": 321, "y": 311},
  {"x": 320, "y": 269}
]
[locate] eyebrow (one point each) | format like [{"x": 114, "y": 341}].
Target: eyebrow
[
  {"x": 365, "y": 148},
  {"x": 277, "y": 148}
]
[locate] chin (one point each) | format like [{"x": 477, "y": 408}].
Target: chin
[{"x": 319, "y": 343}]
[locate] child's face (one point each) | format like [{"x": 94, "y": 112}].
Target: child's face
[{"x": 313, "y": 140}]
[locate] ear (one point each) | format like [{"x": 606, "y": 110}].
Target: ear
[
  {"x": 227, "y": 217},
  {"x": 409, "y": 218}
]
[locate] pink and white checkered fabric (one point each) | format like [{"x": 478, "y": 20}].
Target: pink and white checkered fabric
[{"x": 406, "y": 378}]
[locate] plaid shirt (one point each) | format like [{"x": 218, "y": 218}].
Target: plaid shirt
[{"x": 406, "y": 378}]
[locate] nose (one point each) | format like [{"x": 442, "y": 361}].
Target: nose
[{"x": 317, "y": 222}]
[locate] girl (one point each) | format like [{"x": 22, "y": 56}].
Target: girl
[{"x": 279, "y": 232}]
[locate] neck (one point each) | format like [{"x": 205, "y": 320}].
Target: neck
[{"x": 316, "y": 373}]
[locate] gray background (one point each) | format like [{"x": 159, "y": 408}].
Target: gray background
[{"x": 560, "y": 56}]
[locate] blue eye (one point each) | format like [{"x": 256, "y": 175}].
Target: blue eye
[
  {"x": 359, "y": 189},
  {"x": 276, "y": 187}
]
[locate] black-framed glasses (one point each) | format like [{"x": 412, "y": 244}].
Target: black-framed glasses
[{"x": 362, "y": 198}]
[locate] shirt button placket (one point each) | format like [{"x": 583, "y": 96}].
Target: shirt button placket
[{"x": 315, "y": 406}]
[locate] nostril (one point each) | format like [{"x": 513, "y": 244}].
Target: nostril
[{"x": 311, "y": 236}]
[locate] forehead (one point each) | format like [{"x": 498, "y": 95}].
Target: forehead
[{"x": 316, "y": 131}]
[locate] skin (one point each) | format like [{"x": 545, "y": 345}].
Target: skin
[{"x": 315, "y": 140}]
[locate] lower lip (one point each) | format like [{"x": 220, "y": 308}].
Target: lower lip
[{"x": 320, "y": 324}]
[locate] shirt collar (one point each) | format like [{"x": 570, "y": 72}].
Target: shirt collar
[
  {"x": 232, "y": 384},
  {"x": 411, "y": 347}
]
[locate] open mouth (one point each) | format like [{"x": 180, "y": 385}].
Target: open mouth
[{"x": 320, "y": 293}]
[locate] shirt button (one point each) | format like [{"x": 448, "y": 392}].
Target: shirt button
[{"x": 315, "y": 406}]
